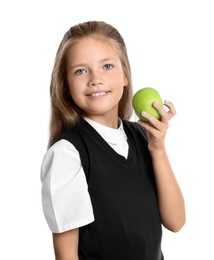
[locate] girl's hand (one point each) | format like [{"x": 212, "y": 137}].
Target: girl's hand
[{"x": 156, "y": 129}]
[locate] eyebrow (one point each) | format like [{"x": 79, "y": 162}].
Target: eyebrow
[
  {"x": 107, "y": 59},
  {"x": 84, "y": 64}
]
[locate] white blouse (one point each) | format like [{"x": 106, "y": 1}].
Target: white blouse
[{"x": 65, "y": 198}]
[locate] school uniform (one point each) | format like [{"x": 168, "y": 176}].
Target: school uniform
[{"x": 101, "y": 180}]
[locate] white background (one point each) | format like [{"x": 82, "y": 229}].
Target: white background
[{"x": 171, "y": 48}]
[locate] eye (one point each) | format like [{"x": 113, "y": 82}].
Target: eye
[
  {"x": 80, "y": 71},
  {"x": 108, "y": 66}
]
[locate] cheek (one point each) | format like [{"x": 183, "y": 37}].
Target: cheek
[
  {"x": 120, "y": 88},
  {"x": 73, "y": 86},
  {"x": 75, "y": 97},
  {"x": 74, "y": 93},
  {"x": 72, "y": 90},
  {"x": 76, "y": 90}
]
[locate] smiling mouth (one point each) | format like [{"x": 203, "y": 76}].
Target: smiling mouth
[{"x": 98, "y": 94}]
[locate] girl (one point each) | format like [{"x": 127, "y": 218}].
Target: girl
[{"x": 107, "y": 183}]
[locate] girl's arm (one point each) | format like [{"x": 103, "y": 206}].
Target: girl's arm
[
  {"x": 170, "y": 198},
  {"x": 66, "y": 245},
  {"x": 171, "y": 202}
]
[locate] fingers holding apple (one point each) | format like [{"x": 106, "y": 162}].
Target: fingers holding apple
[
  {"x": 148, "y": 105},
  {"x": 154, "y": 115},
  {"x": 148, "y": 117},
  {"x": 147, "y": 100},
  {"x": 171, "y": 109}
]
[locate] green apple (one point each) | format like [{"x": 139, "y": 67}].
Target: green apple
[{"x": 143, "y": 100}]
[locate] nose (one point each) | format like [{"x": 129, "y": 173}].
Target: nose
[{"x": 95, "y": 79}]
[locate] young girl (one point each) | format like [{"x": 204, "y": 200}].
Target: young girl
[{"x": 107, "y": 183}]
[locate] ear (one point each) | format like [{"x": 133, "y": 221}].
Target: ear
[{"x": 125, "y": 81}]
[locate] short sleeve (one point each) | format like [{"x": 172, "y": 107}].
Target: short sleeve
[{"x": 65, "y": 198}]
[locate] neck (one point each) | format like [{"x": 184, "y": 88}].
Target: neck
[{"x": 109, "y": 122}]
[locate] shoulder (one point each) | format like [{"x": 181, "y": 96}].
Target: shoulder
[
  {"x": 60, "y": 151},
  {"x": 134, "y": 128},
  {"x": 61, "y": 146},
  {"x": 130, "y": 124},
  {"x": 75, "y": 134},
  {"x": 76, "y": 140}
]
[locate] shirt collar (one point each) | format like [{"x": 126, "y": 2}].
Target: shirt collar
[{"x": 111, "y": 135}]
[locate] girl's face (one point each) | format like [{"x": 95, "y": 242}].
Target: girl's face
[{"x": 95, "y": 78}]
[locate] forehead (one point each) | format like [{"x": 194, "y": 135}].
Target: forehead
[{"x": 93, "y": 45}]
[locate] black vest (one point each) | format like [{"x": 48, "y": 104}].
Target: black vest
[{"x": 127, "y": 223}]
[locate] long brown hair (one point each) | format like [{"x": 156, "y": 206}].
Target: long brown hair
[{"x": 65, "y": 113}]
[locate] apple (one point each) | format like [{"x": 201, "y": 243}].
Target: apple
[{"x": 143, "y": 100}]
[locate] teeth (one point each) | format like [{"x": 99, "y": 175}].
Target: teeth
[{"x": 98, "y": 94}]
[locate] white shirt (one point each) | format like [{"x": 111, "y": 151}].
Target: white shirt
[{"x": 65, "y": 198}]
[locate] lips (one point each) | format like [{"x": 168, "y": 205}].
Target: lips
[{"x": 97, "y": 94}]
